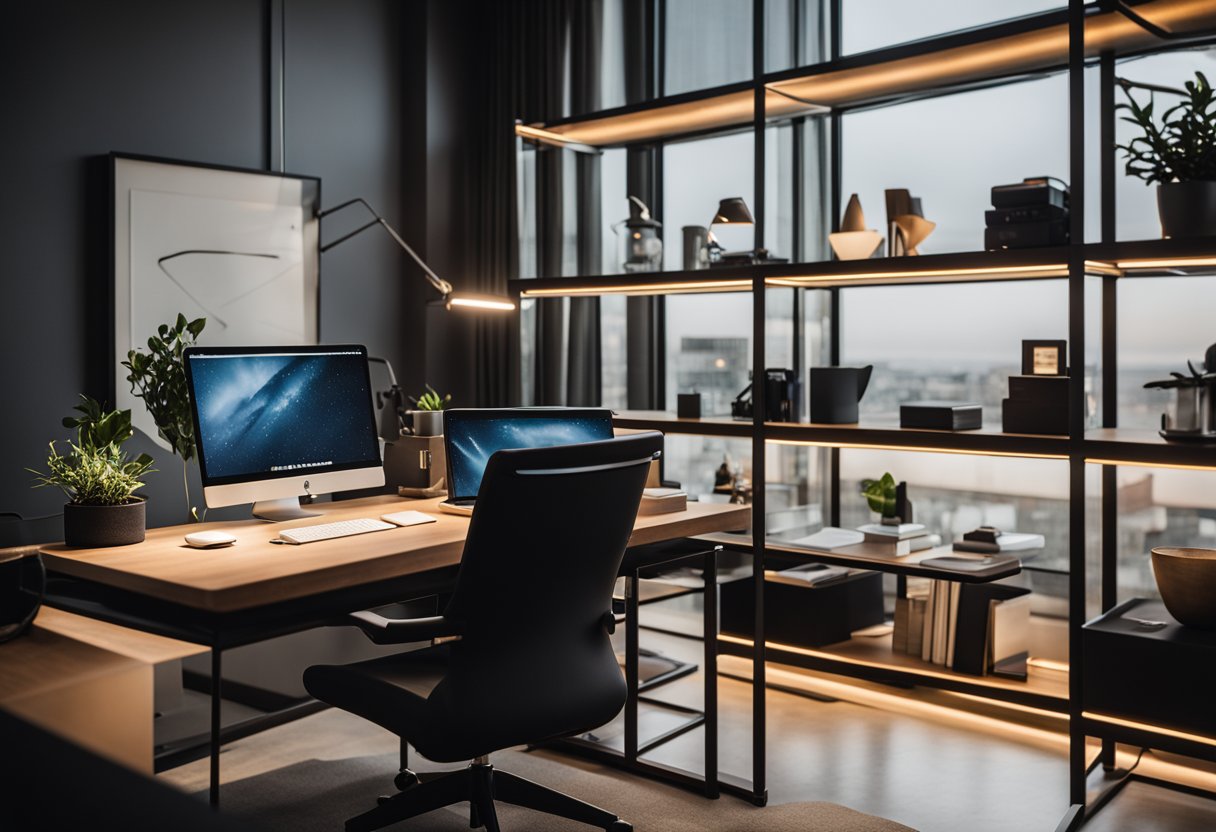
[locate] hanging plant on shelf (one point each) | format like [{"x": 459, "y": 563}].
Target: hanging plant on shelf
[
  {"x": 1177, "y": 152},
  {"x": 159, "y": 378}
]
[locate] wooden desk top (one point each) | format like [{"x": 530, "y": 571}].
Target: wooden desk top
[{"x": 254, "y": 572}]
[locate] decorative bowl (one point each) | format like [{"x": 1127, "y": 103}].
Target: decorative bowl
[{"x": 1187, "y": 581}]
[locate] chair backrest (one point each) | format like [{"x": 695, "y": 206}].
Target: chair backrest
[{"x": 540, "y": 561}]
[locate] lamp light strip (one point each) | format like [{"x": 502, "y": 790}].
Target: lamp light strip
[
  {"x": 1176, "y": 466},
  {"x": 916, "y": 448},
  {"x": 1152, "y": 729},
  {"x": 1166, "y": 263},
  {"x": 481, "y": 303},
  {"x": 642, "y": 289},
  {"x": 998, "y": 273}
]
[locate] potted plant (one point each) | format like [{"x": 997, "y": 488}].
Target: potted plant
[
  {"x": 889, "y": 499},
  {"x": 99, "y": 479},
  {"x": 159, "y": 378},
  {"x": 427, "y": 414},
  {"x": 1179, "y": 155}
]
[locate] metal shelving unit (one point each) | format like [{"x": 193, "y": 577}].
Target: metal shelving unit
[{"x": 1065, "y": 41}]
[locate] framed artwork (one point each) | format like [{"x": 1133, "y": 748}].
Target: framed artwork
[
  {"x": 237, "y": 247},
  {"x": 1044, "y": 358}
]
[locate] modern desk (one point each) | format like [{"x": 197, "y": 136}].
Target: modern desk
[{"x": 256, "y": 590}]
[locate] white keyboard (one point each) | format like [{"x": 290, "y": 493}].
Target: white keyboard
[{"x": 328, "y": 531}]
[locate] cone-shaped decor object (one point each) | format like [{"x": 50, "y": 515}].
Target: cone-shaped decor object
[
  {"x": 914, "y": 230},
  {"x": 854, "y": 219}
]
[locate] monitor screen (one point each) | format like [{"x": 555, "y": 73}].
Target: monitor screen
[
  {"x": 269, "y": 413},
  {"x": 472, "y": 436}
]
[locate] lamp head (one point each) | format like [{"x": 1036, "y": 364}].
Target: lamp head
[
  {"x": 477, "y": 303},
  {"x": 733, "y": 210}
]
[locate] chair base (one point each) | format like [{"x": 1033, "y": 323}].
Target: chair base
[{"x": 480, "y": 786}]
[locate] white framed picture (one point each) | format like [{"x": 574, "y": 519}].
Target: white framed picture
[{"x": 237, "y": 247}]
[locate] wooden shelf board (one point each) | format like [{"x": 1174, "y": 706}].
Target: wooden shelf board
[
  {"x": 867, "y": 556},
  {"x": 873, "y": 658},
  {"x": 669, "y": 423},
  {"x": 1133, "y": 446},
  {"x": 982, "y": 442},
  {"x": 1156, "y": 258}
]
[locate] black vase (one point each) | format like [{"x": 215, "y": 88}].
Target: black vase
[
  {"x": 1187, "y": 209},
  {"x": 90, "y": 527}
]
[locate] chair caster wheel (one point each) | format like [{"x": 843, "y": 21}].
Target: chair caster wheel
[
  {"x": 621, "y": 826},
  {"x": 405, "y": 779}
]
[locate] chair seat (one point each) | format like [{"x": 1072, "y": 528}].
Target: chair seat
[{"x": 390, "y": 691}]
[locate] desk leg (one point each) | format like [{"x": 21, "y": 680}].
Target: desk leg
[
  {"x": 710, "y": 576},
  {"x": 216, "y": 699},
  {"x": 631, "y": 666}
]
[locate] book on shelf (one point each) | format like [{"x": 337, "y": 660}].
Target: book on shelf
[
  {"x": 970, "y": 628},
  {"x": 1005, "y": 542},
  {"x": 901, "y": 532},
  {"x": 899, "y": 547}
]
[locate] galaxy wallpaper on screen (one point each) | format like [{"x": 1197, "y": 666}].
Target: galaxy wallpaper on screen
[
  {"x": 271, "y": 414},
  {"x": 473, "y": 441}
]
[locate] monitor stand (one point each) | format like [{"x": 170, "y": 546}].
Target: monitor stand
[{"x": 277, "y": 511}]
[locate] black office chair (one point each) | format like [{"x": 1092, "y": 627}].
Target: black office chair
[{"x": 532, "y": 613}]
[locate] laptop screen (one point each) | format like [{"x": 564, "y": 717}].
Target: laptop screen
[{"x": 472, "y": 436}]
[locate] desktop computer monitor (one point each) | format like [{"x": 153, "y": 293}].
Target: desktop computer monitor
[
  {"x": 272, "y": 424},
  {"x": 471, "y": 436}
]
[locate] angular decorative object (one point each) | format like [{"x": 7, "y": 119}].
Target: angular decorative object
[
  {"x": 854, "y": 241},
  {"x": 1186, "y": 579},
  {"x": 907, "y": 227}
]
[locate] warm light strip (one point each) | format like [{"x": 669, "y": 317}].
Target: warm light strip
[
  {"x": 998, "y": 273},
  {"x": 548, "y": 136},
  {"x": 914, "y": 448},
  {"x": 1127, "y": 463},
  {"x": 642, "y": 289},
  {"x": 1013, "y": 706},
  {"x": 1048, "y": 664},
  {"x": 1167, "y": 263},
  {"x": 1152, "y": 729},
  {"x": 819, "y": 654}
]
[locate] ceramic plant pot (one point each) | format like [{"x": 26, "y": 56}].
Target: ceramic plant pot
[
  {"x": 1187, "y": 209},
  {"x": 90, "y": 527},
  {"x": 427, "y": 422},
  {"x": 1187, "y": 581}
]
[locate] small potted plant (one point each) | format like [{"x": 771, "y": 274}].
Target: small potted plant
[
  {"x": 1179, "y": 155},
  {"x": 99, "y": 479},
  {"x": 427, "y": 414},
  {"x": 159, "y": 378},
  {"x": 889, "y": 499}
]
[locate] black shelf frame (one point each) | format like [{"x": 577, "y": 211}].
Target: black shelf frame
[{"x": 1072, "y": 264}]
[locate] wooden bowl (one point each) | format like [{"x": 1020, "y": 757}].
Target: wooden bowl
[{"x": 1187, "y": 581}]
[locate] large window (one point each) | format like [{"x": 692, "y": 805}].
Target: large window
[{"x": 873, "y": 24}]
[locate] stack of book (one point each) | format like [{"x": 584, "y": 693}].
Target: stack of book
[
  {"x": 897, "y": 541},
  {"x": 970, "y": 628}
]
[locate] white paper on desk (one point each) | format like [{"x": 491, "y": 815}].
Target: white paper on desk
[{"x": 829, "y": 538}]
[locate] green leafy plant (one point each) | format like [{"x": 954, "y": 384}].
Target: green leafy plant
[
  {"x": 159, "y": 378},
  {"x": 1183, "y": 147},
  {"x": 96, "y": 471},
  {"x": 431, "y": 400},
  {"x": 880, "y": 494}
]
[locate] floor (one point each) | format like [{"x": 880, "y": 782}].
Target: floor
[{"x": 886, "y": 753}]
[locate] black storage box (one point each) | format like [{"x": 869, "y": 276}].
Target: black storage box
[
  {"x": 1026, "y": 234},
  {"x": 688, "y": 405},
  {"x": 941, "y": 415},
  {"x": 1032, "y": 417},
  {"x": 1042, "y": 390},
  {"x": 803, "y": 615},
  {"x": 1162, "y": 677}
]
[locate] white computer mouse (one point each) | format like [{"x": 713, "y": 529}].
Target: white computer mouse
[{"x": 209, "y": 540}]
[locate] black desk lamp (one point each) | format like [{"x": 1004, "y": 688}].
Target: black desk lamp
[
  {"x": 451, "y": 298},
  {"x": 731, "y": 211}
]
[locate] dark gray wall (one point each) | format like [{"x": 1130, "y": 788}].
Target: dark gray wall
[{"x": 191, "y": 81}]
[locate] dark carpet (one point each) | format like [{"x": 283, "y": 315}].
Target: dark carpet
[{"x": 318, "y": 796}]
